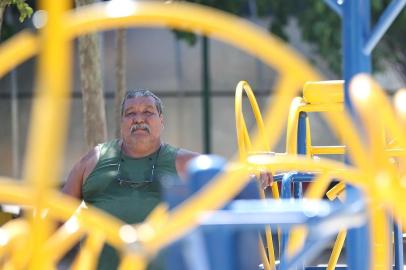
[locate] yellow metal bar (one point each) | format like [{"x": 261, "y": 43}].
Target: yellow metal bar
[
  {"x": 335, "y": 191},
  {"x": 396, "y": 152},
  {"x": 308, "y": 137},
  {"x": 314, "y": 191},
  {"x": 133, "y": 262},
  {"x": 324, "y": 92},
  {"x": 328, "y": 150},
  {"x": 48, "y": 121},
  {"x": 262, "y": 253},
  {"x": 335, "y": 254},
  {"x": 242, "y": 134},
  {"x": 63, "y": 207},
  {"x": 16, "y": 50},
  {"x": 345, "y": 129},
  {"x": 328, "y": 107},
  {"x": 293, "y": 119},
  {"x": 17, "y": 232},
  {"x": 226, "y": 185},
  {"x": 63, "y": 240},
  {"x": 13, "y": 192},
  {"x": 89, "y": 252},
  {"x": 186, "y": 216}
]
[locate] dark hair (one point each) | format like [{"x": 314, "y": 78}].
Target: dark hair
[{"x": 142, "y": 93}]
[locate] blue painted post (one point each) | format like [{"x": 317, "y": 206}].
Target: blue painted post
[
  {"x": 355, "y": 31},
  {"x": 397, "y": 231},
  {"x": 301, "y": 149}
]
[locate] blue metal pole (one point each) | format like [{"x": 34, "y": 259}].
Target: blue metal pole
[
  {"x": 398, "y": 243},
  {"x": 335, "y": 6},
  {"x": 386, "y": 19},
  {"x": 301, "y": 148},
  {"x": 355, "y": 31}
]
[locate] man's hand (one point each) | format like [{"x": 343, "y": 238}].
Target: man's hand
[{"x": 265, "y": 179}]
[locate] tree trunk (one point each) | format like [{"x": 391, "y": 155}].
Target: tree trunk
[
  {"x": 92, "y": 87},
  {"x": 120, "y": 75},
  {"x": 2, "y": 9}
]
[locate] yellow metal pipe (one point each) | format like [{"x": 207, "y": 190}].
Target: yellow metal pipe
[
  {"x": 292, "y": 126},
  {"x": 335, "y": 254},
  {"x": 133, "y": 261},
  {"x": 328, "y": 107},
  {"x": 262, "y": 253},
  {"x": 17, "y": 49},
  {"x": 62, "y": 240},
  {"x": 335, "y": 191},
  {"x": 242, "y": 134},
  {"x": 48, "y": 121},
  {"x": 324, "y": 92},
  {"x": 89, "y": 252},
  {"x": 185, "y": 216},
  {"x": 328, "y": 150}
]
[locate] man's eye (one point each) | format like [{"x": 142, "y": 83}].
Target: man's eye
[
  {"x": 130, "y": 114},
  {"x": 148, "y": 113}
]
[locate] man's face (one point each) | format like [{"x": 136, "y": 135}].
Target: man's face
[{"x": 141, "y": 122}]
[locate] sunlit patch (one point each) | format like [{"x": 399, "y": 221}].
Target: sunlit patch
[
  {"x": 128, "y": 234},
  {"x": 39, "y": 19},
  {"x": 361, "y": 88},
  {"x": 120, "y": 8},
  {"x": 400, "y": 102},
  {"x": 72, "y": 225},
  {"x": 260, "y": 158},
  {"x": 204, "y": 162},
  {"x": 4, "y": 238}
]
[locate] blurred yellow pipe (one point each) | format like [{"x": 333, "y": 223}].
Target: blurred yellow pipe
[
  {"x": 293, "y": 119},
  {"x": 133, "y": 261},
  {"x": 243, "y": 139},
  {"x": 262, "y": 253},
  {"x": 63, "y": 240},
  {"x": 186, "y": 216},
  {"x": 328, "y": 150},
  {"x": 15, "y": 233},
  {"x": 89, "y": 252},
  {"x": 17, "y": 49},
  {"x": 314, "y": 191},
  {"x": 48, "y": 121},
  {"x": 50, "y": 107},
  {"x": 334, "y": 191},
  {"x": 335, "y": 254}
]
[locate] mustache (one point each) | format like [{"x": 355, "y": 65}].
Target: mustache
[{"x": 140, "y": 126}]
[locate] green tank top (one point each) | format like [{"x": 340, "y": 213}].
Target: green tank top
[{"x": 123, "y": 187}]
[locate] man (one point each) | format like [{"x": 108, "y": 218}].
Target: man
[{"x": 122, "y": 176}]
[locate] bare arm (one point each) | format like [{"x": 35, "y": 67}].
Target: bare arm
[
  {"x": 182, "y": 158},
  {"x": 80, "y": 172}
]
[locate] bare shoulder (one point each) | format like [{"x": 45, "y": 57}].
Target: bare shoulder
[
  {"x": 80, "y": 172},
  {"x": 183, "y": 156}
]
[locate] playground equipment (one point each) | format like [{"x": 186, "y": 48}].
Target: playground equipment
[{"x": 31, "y": 242}]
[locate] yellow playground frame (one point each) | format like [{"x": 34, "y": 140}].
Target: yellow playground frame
[{"x": 32, "y": 242}]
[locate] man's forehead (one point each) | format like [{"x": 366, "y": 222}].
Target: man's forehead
[{"x": 140, "y": 101}]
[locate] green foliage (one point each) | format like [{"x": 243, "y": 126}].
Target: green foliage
[
  {"x": 24, "y": 9},
  {"x": 321, "y": 27}
]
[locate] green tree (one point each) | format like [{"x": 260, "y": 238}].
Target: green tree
[
  {"x": 24, "y": 9},
  {"x": 320, "y": 27}
]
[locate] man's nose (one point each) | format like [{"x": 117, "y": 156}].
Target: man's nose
[{"x": 138, "y": 118}]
